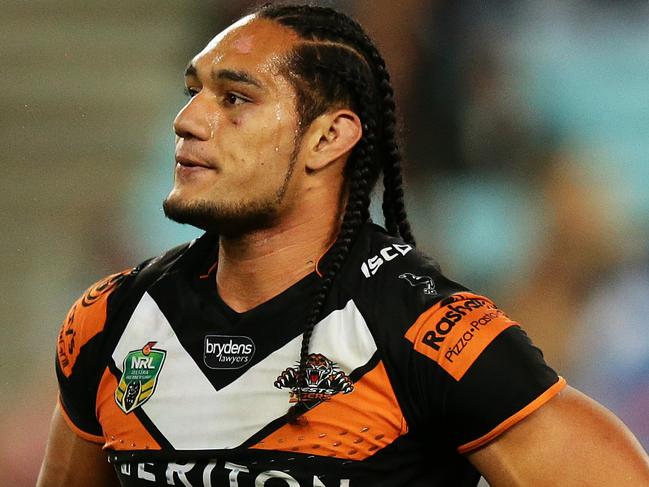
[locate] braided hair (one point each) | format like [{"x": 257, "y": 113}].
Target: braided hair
[{"x": 335, "y": 65}]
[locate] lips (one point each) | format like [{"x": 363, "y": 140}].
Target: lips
[
  {"x": 189, "y": 161},
  {"x": 191, "y": 168}
]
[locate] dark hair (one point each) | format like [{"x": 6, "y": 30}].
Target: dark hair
[{"x": 339, "y": 65}]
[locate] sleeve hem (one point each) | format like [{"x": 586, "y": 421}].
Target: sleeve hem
[
  {"x": 78, "y": 431},
  {"x": 549, "y": 393}
]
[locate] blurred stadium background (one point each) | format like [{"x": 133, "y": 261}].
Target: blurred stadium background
[{"x": 526, "y": 127}]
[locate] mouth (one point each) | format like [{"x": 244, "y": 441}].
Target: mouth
[
  {"x": 189, "y": 167},
  {"x": 190, "y": 162}
]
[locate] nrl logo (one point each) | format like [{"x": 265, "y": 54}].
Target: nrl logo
[
  {"x": 140, "y": 376},
  {"x": 425, "y": 281},
  {"x": 322, "y": 380}
]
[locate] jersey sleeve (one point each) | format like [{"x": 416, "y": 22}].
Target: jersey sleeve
[
  {"x": 78, "y": 357},
  {"x": 480, "y": 370}
]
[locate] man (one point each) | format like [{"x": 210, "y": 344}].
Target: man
[{"x": 296, "y": 343}]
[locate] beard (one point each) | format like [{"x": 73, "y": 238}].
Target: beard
[
  {"x": 227, "y": 219},
  {"x": 230, "y": 219}
]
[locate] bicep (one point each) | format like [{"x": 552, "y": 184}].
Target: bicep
[
  {"x": 571, "y": 440},
  {"x": 71, "y": 461}
]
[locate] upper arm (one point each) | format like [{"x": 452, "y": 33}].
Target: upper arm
[
  {"x": 74, "y": 455},
  {"x": 71, "y": 461},
  {"x": 476, "y": 371},
  {"x": 571, "y": 440},
  {"x": 82, "y": 356}
]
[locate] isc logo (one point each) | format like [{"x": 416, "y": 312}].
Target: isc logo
[
  {"x": 142, "y": 363},
  {"x": 371, "y": 265}
]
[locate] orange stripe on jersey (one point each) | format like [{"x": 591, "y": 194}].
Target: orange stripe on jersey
[
  {"x": 552, "y": 391},
  {"x": 75, "y": 428},
  {"x": 121, "y": 431},
  {"x": 456, "y": 331},
  {"x": 85, "y": 319},
  {"x": 349, "y": 426}
]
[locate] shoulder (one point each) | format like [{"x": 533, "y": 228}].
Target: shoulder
[
  {"x": 393, "y": 282},
  {"x": 409, "y": 304},
  {"x": 89, "y": 316}
]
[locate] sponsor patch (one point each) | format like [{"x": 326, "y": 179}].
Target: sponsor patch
[
  {"x": 457, "y": 330},
  {"x": 212, "y": 472},
  {"x": 322, "y": 380},
  {"x": 386, "y": 254},
  {"x": 425, "y": 282},
  {"x": 140, "y": 376},
  {"x": 227, "y": 352}
]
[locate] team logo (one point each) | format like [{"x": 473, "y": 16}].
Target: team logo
[
  {"x": 140, "y": 376},
  {"x": 386, "y": 254},
  {"x": 227, "y": 352},
  {"x": 425, "y": 281},
  {"x": 322, "y": 380}
]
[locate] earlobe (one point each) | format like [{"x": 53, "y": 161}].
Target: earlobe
[{"x": 333, "y": 136}]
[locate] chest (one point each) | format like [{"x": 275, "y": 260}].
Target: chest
[{"x": 213, "y": 389}]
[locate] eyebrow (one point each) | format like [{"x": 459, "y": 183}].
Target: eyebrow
[{"x": 226, "y": 74}]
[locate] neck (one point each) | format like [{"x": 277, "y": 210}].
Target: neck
[{"x": 257, "y": 266}]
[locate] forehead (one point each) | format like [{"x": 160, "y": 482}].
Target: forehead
[{"x": 251, "y": 43}]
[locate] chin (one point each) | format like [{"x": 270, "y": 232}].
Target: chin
[{"x": 232, "y": 219}]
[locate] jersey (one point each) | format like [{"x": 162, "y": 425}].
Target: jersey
[{"x": 407, "y": 371}]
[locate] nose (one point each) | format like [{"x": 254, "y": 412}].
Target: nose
[{"x": 192, "y": 121}]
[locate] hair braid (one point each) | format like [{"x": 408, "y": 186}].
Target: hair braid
[
  {"x": 396, "y": 219},
  {"x": 393, "y": 198},
  {"x": 356, "y": 212},
  {"x": 347, "y": 30},
  {"x": 340, "y": 64}
]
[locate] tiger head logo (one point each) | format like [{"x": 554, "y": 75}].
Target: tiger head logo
[
  {"x": 318, "y": 369},
  {"x": 322, "y": 379}
]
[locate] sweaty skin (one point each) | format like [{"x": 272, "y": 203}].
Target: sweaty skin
[
  {"x": 255, "y": 160},
  {"x": 570, "y": 441}
]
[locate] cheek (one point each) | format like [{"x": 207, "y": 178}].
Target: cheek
[
  {"x": 243, "y": 119},
  {"x": 256, "y": 138},
  {"x": 283, "y": 126},
  {"x": 215, "y": 121},
  {"x": 272, "y": 132}
]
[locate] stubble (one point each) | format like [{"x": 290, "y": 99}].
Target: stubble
[{"x": 232, "y": 218}]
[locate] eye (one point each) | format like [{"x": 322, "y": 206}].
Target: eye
[
  {"x": 191, "y": 92},
  {"x": 233, "y": 99}
]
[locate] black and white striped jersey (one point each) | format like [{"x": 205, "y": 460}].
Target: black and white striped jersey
[{"x": 407, "y": 371}]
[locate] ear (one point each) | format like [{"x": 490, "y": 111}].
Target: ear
[{"x": 332, "y": 136}]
